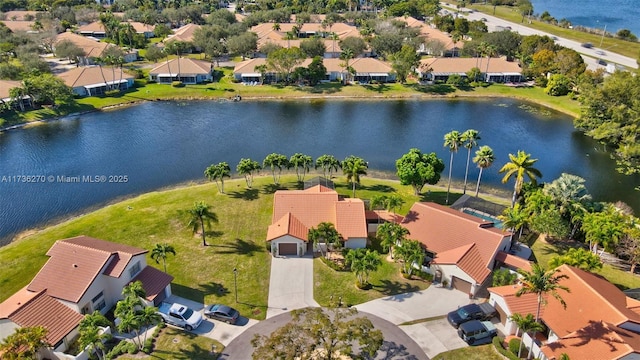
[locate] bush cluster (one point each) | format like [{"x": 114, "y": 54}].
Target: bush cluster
[{"x": 497, "y": 344}]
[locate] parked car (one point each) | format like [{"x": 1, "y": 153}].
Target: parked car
[
  {"x": 222, "y": 313},
  {"x": 477, "y": 332},
  {"x": 180, "y": 315},
  {"x": 483, "y": 311}
]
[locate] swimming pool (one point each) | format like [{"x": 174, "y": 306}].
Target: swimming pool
[{"x": 497, "y": 223}]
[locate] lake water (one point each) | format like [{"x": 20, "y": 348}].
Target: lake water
[
  {"x": 615, "y": 14},
  {"x": 165, "y": 143}
]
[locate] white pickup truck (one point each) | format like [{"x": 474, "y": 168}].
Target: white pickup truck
[{"x": 180, "y": 315}]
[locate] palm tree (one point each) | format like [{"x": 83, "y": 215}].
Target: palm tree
[
  {"x": 247, "y": 168},
  {"x": 571, "y": 196},
  {"x": 276, "y": 27},
  {"x": 346, "y": 56},
  {"x": 490, "y": 50},
  {"x": 394, "y": 201},
  {"x": 514, "y": 218},
  {"x": 218, "y": 172},
  {"x": 302, "y": 163},
  {"x": 354, "y": 167},
  {"x": 525, "y": 324},
  {"x": 410, "y": 252},
  {"x": 325, "y": 233},
  {"x": 519, "y": 166},
  {"x": 329, "y": 164},
  {"x": 199, "y": 216},
  {"x": 134, "y": 290},
  {"x": 541, "y": 283},
  {"x": 452, "y": 141},
  {"x": 149, "y": 317},
  {"x": 275, "y": 161},
  {"x": 484, "y": 159},
  {"x": 470, "y": 140},
  {"x": 162, "y": 251},
  {"x": 390, "y": 235},
  {"x": 363, "y": 262}
]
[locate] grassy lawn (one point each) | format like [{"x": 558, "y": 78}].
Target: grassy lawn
[
  {"x": 177, "y": 344},
  {"x": 483, "y": 352},
  {"x": 544, "y": 251}
]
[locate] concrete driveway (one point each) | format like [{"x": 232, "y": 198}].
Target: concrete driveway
[
  {"x": 290, "y": 284},
  {"x": 434, "y": 336}
]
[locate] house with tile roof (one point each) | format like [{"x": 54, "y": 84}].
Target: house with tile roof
[
  {"x": 186, "y": 70},
  {"x": 19, "y": 25},
  {"x": 5, "y": 95},
  {"x": 36, "y": 308},
  {"x": 183, "y": 33},
  {"x": 92, "y": 48},
  {"x": 599, "y": 321},
  {"x": 297, "y": 211},
  {"x": 432, "y": 34},
  {"x": 96, "y": 29},
  {"x": 497, "y": 70},
  {"x": 460, "y": 248},
  {"x": 96, "y": 80}
]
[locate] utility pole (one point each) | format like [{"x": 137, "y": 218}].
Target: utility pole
[{"x": 235, "y": 282}]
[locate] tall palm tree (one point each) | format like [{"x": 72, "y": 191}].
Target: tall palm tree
[
  {"x": 217, "y": 172},
  {"x": 452, "y": 141},
  {"x": 363, "y": 262},
  {"x": 162, "y": 251},
  {"x": 346, "y": 56},
  {"x": 149, "y": 317},
  {"x": 541, "y": 282},
  {"x": 514, "y": 218},
  {"x": 302, "y": 163},
  {"x": 199, "y": 216},
  {"x": 390, "y": 235},
  {"x": 470, "y": 140},
  {"x": 354, "y": 167},
  {"x": 394, "y": 201},
  {"x": 329, "y": 164},
  {"x": 484, "y": 159},
  {"x": 518, "y": 167},
  {"x": 490, "y": 50},
  {"x": 410, "y": 252},
  {"x": 525, "y": 324}
]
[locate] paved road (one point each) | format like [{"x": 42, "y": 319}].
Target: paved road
[{"x": 590, "y": 55}]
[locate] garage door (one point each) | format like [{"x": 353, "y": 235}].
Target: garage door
[
  {"x": 502, "y": 315},
  {"x": 288, "y": 249},
  {"x": 461, "y": 285}
]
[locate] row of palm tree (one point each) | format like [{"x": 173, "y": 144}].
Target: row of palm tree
[
  {"x": 362, "y": 262},
  {"x": 484, "y": 158},
  {"x": 134, "y": 315}
]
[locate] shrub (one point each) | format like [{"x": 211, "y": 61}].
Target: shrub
[
  {"x": 177, "y": 84},
  {"x": 514, "y": 345},
  {"x": 113, "y": 92},
  {"x": 497, "y": 344},
  {"x": 424, "y": 275},
  {"x": 148, "y": 346},
  {"x": 333, "y": 265}
]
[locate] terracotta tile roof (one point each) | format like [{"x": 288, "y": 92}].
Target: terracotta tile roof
[
  {"x": 141, "y": 28},
  {"x": 184, "y": 33},
  {"x": 6, "y": 85},
  {"x": 91, "y": 75},
  {"x": 442, "y": 229},
  {"x": 90, "y": 47},
  {"x": 514, "y": 261},
  {"x": 19, "y": 25},
  {"x": 20, "y": 14},
  {"x": 329, "y": 45},
  {"x": 43, "y": 310},
  {"x": 288, "y": 225},
  {"x": 361, "y": 65},
  {"x": 468, "y": 260},
  {"x": 383, "y": 215},
  {"x": 452, "y": 256},
  {"x": 95, "y": 26},
  {"x": 75, "y": 263},
  {"x": 186, "y": 66},
  {"x": 266, "y": 30},
  {"x": 153, "y": 281},
  {"x": 463, "y": 65},
  {"x": 429, "y": 32},
  {"x": 598, "y": 340},
  {"x": 525, "y": 304},
  {"x": 15, "y": 301},
  {"x": 319, "y": 204}
]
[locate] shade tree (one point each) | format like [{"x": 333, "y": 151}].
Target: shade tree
[{"x": 418, "y": 169}]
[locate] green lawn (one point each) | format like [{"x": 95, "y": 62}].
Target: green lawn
[
  {"x": 178, "y": 344},
  {"x": 544, "y": 251},
  {"x": 484, "y": 352}
]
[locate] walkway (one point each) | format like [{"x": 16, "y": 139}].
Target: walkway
[{"x": 290, "y": 284}]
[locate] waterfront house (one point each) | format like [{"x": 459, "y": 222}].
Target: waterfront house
[
  {"x": 497, "y": 70},
  {"x": 92, "y": 48},
  {"x": 5, "y": 95},
  {"x": 96, "y": 80},
  {"x": 96, "y": 29},
  {"x": 185, "y": 70}
]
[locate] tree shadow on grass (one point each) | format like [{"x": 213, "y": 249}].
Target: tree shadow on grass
[
  {"x": 439, "y": 89},
  {"x": 439, "y": 197},
  {"x": 241, "y": 247},
  {"x": 379, "y": 88},
  {"x": 379, "y": 188},
  {"x": 389, "y": 287},
  {"x": 216, "y": 289},
  {"x": 271, "y": 188},
  {"x": 247, "y": 194},
  {"x": 212, "y": 234}
]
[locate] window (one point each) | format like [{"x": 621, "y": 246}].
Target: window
[
  {"x": 100, "y": 305},
  {"x": 97, "y": 297},
  {"x": 135, "y": 269}
]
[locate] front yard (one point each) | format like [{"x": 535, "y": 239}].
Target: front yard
[{"x": 178, "y": 344}]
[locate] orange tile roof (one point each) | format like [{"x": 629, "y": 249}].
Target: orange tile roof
[
  {"x": 514, "y": 261},
  {"x": 91, "y": 75},
  {"x": 95, "y": 26},
  {"x": 442, "y": 229},
  {"x": 153, "y": 281},
  {"x": 319, "y": 204},
  {"x": 20, "y": 14},
  {"x": 90, "y": 47},
  {"x": 6, "y": 85},
  {"x": 19, "y": 25},
  {"x": 184, "y": 33},
  {"x": 186, "y": 66},
  {"x": 383, "y": 215},
  {"x": 288, "y": 225},
  {"x": 463, "y": 65},
  {"x": 75, "y": 263},
  {"x": 598, "y": 340},
  {"x": 43, "y": 310},
  {"x": 15, "y": 301},
  {"x": 525, "y": 304}
]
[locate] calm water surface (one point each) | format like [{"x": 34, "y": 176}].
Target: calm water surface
[
  {"x": 166, "y": 143},
  {"x": 615, "y": 14}
]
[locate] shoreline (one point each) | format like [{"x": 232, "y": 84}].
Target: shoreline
[{"x": 416, "y": 96}]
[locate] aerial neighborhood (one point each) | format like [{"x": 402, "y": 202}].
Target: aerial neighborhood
[{"x": 412, "y": 264}]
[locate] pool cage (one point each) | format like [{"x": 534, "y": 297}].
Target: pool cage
[{"x": 483, "y": 206}]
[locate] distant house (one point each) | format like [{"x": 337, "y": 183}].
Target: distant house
[
  {"x": 96, "y": 29},
  {"x": 429, "y": 34},
  {"x": 17, "y": 25},
  {"x": 183, "y": 33},
  {"x": 22, "y": 15},
  {"x": 92, "y": 48},
  {"x": 5, "y": 96},
  {"x": 497, "y": 70},
  {"x": 186, "y": 70},
  {"x": 95, "y": 80},
  {"x": 297, "y": 211},
  {"x": 599, "y": 322},
  {"x": 460, "y": 248}
]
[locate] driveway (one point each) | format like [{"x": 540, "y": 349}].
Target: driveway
[
  {"x": 290, "y": 284},
  {"x": 433, "y": 336}
]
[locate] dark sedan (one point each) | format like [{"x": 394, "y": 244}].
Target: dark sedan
[{"x": 222, "y": 313}]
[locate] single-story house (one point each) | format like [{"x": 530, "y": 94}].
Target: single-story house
[
  {"x": 183, "y": 33},
  {"x": 599, "y": 321},
  {"x": 186, "y": 70},
  {"x": 367, "y": 70},
  {"x": 431, "y": 33},
  {"x": 36, "y": 308},
  {"x": 92, "y": 47},
  {"x": 497, "y": 70},
  {"x": 18, "y": 25},
  {"x": 5, "y": 96},
  {"x": 22, "y": 15},
  {"x": 95, "y": 80},
  {"x": 295, "y": 212},
  {"x": 460, "y": 248},
  {"x": 96, "y": 29}
]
